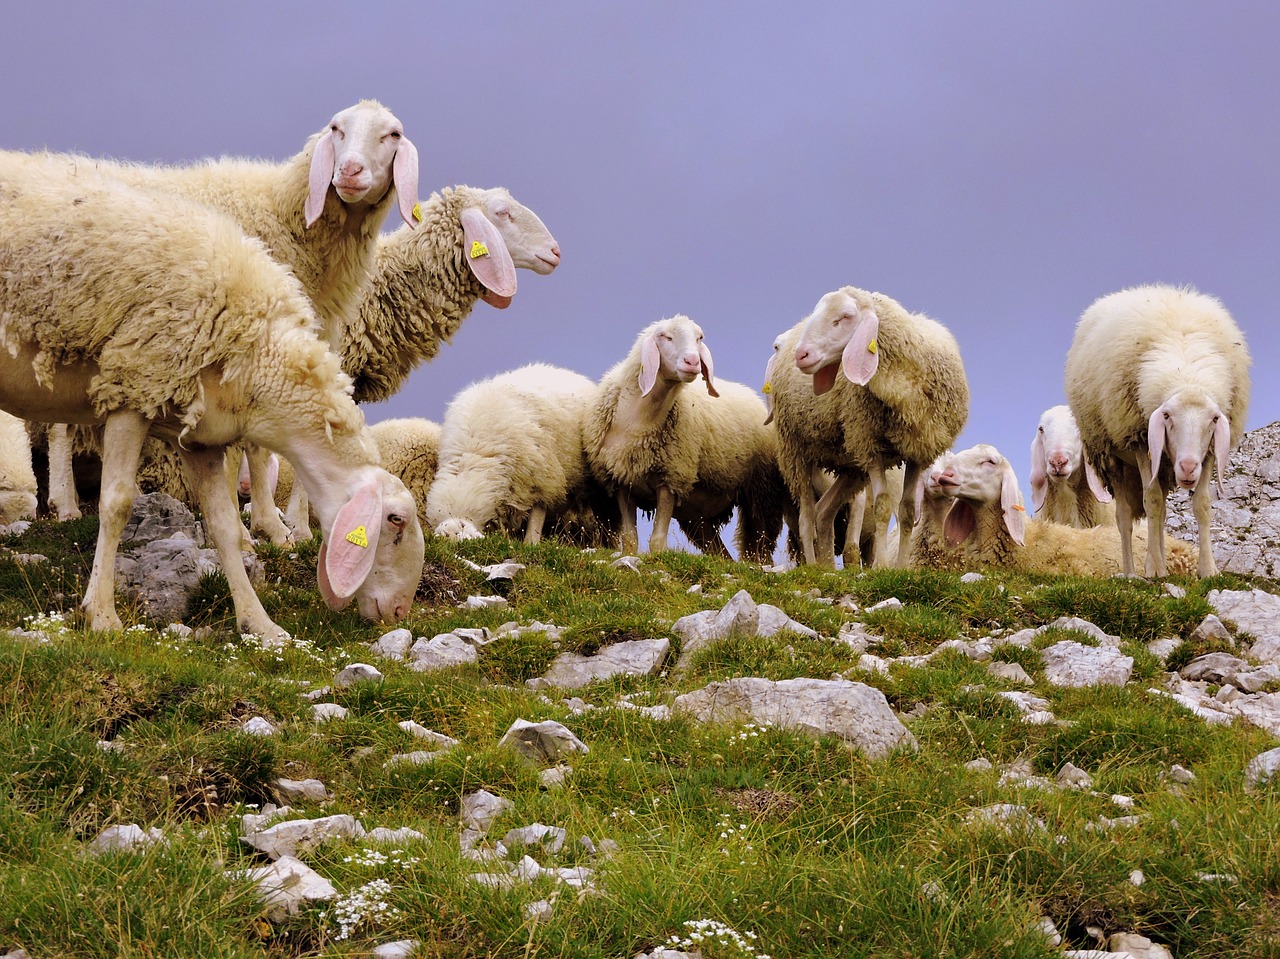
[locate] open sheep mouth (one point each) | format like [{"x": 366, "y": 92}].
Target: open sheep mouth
[{"x": 824, "y": 378}]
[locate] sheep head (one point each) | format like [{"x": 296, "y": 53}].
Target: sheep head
[
  {"x": 674, "y": 350},
  {"x": 1184, "y": 425},
  {"x": 980, "y": 478},
  {"x": 1057, "y": 452},
  {"x": 841, "y": 329},
  {"x": 362, "y": 154}
]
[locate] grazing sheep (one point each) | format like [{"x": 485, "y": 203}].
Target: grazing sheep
[
  {"x": 17, "y": 478},
  {"x": 988, "y": 521},
  {"x": 510, "y": 453},
  {"x": 1064, "y": 487},
  {"x": 1157, "y": 369},
  {"x": 685, "y": 454},
  {"x": 147, "y": 312},
  {"x": 427, "y": 280}
]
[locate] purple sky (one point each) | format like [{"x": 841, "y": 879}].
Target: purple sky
[{"x": 995, "y": 165}]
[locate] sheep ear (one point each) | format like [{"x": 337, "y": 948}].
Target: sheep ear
[
  {"x": 1015, "y": 515},
  {"x": 1039, "y": 473},
  {"x": 486, "y": 253},
  {"x": 1155, "y": 439},
  {"x": 649, "y": 362},
  {"x": 323, "y": 159},
  {"x": 767, "y": 389},
  {"x": 404, "y": 174},
  {"x": 708, "y": 367},
  {"x": 1221, "y": 448},
  {"x": 861, "y": 357},
  {"x": 1096, "y": 486},
  {"x": 960, "y": 523},
  {"x": 350, "y": 546}
]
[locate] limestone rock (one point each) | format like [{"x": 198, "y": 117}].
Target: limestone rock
[
  {"x": 546, "y": 742},
  {"x": 637, "y": 657},
  {"x": 286, "y": 884},
  {"x": 296, "y": 836},
  {"x": 1073, "y": 664}
]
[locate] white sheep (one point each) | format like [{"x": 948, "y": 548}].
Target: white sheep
[
  {"x": 1064, "y": 486},
  {"x": 17, "y": 477},
  {"x": 929, "y": 546},
  {"x": 1155, "y": 370},
  {"x": 693, "y": 456},
  {"x": 510, "y": 453},
  {"x": 147, "y": 312},
  {"x": 987, "y": 522},
  {"x": 903, "y": 399},
  {"x": 410, "y": 448}
]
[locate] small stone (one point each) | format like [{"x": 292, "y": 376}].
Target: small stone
[
  {"x": 555, "y": 777},
  {"x": 540, "y": 911},
  {"x": 891, "y": 603},
  {"x": 393, "y": 645},
  {"x": 400, "y": 949},
  {"x": 258, "y": 726},
  {"x": 126, "y": 837},
  {"x": 1137, "y": 878},
  {"x": 627, "y": 562},
  {"x": 972, "y": 578},
  {"x": 297, "y": 790},
  {"x": 323, "y": 712},
  {"x": 1073, "y": 777},
  {"x": 356, "y": 673},
  {"x": 979, "y": 765},
  {"x": 401, "y": 834},
  {"x": 422, "y": 732},
  {"x": 484, "y": 602}
]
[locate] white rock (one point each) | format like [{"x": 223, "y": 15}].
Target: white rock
[
  {"x": 422, "y": 732},
  {"x": 1008, "y": 816},
  {"x": 555, "y": 777},
  {"x": 1254, "y": 611},
  {"x": 1137, "y": 878},
  {"x": 294, "y": 790},
  {"x": 1262, "y": 767},
  {"x": 441, "y": 652},
  {"x": 296, "y": 836},
  {"x": 481, "y": 808},
  {"x": 891, "y": 603},
  {"x": 972, "y": 578},
  {"x": 483, "y": 602},
  {"x": 978, "y": 765},
  {"x": 1073, "y": 664},
  {"x": 285, "y": 884},
  {"x": 401, "y": 834},
  {"x": 393, "y": 645},
  {"x": 540, "y": 911},
  {"x": 126, "y": 837},
  {"x": 419, "y": 757},
  {"x": 550, "y": 838},
  {"x": 1073, "y": 777},
  {"x": 627, "y": 562},
  {"x": 258, "y": 726},
  {"x": 356, "y": 673},
  {"x": 1137, "y": 947},
  {"x": 400, "y": 949},
  {"x": 323, "y": 712},
  {"x": 1163, "y": 648},
  {"x": 637, "y": 657},
  {"x": 546, "y": 742},
  {"x": 1013, "y": 672}
]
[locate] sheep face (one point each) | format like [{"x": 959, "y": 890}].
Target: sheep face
[
  {"x": 674, "y": 350},
  {"x": 977, "y": 478},
  {"x": 842, "y": 330},
  {"x": 1056, "y": 453},
  {"x": 530, "y": 243},
  {"x": 362, "y": 154},
  {"x": 1183, "y": 426}
]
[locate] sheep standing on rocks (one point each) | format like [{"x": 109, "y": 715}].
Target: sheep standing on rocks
[
  {"x": 1064, "y": 486},
  {"x": 146, "y": 312},
  {"x": 660, "y": 444},
  {"x": 17, "y": 477},
  {"x": 987, "y": 521},
  {"x": 1157, "y": 369},
  {"x": 510, "y": 453}
]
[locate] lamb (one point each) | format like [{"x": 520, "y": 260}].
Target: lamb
[
  {"x": 904, "y": 399},
  {"x": 1064, "y": 486},
  {"x": 1154, "y": 369},
  {"x": 17, "y": 477},
  {"x": 148, "y": 312},
  {"x": 659, "y": 444},
  {"x": 988, "y": 522}
]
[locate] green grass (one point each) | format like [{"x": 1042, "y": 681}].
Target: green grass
[{"x": 801, "y": 843}]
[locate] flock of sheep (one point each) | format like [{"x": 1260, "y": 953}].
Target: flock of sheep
[{"x": 173, "y": 314}]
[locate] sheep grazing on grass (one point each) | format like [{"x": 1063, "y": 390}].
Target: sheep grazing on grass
[
  {"x": 988, "y": 523},
  {"x": 659, "y": 443},
  {"x": 426, "y": 281},
  {"x": 1064, "y": 487},
  {"x": 510, "y": 453},
  {"x": 17, "y": 477},
  {"x": 1158, "y": 380},
  {"x": 147, "y": 312}
]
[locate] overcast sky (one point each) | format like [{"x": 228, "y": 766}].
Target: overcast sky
[{"x": 996, "y": 165}]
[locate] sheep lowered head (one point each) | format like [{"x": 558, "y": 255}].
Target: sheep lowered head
[
  {"x": 842, "y": 329},
  {"x": 673, "y": 349},
  {"x": 362, "y": 154},
  {"x": 1056, "y": 453},
  {"x": 502, "y": 236},
  {"x": 1183, "y": 426},
  {"x": 373, "y": 552},
  {"x": 976, "y": 478}
]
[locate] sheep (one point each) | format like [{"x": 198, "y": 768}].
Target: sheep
[
  {"x": 148, "y": 312},
  {"x": 929, "y": 546},
  {"x": 17, "y": 477},
  {"x": 427, "y": 280},
  {"x": 659, "y": 445},
  {"x": 1064, "y": 486},
  {"x": 1156, "y": 369},
  {"x": 987, "y": 521},
  {"x": 904, "y": 399},
  {"x": 320, "y": 214},
  {"x": 410, "y": 448}
]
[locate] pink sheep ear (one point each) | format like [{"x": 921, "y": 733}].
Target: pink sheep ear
[
  {"x": 861, "y": 357},
  {"x": 767, "y": 389},
  {"x": 1155, "y": 439},
  {"x": 708, "y": 367},
  {"x": 649, "y": 362},
  {"x": 350, "y": 546},
  {"x": 1221, "y": 449},
  {"x": 1096, "y": 486},
  {"x": 404, "y": 174},
  {"x": 960, "y": 523},
  {"x": 1039, "y": 473},
  {"x": 1015, "y": 514},
  {"x": 486, "y": 253},
  {"x": 323, "y": 159}
]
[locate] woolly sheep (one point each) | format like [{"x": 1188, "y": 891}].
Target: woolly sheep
[
  {"x": 1155, "y": 370},
  {"x": 410, "y": 448},
  {"x": 903, "y": 399},
  {"x": 1064, "y": 486},
  {"x": 659, "y": 444},
  {"x": 17, "y": 478},
  {"x": 510, "y": 452},
  {"x": 146, "y": 311},
  {"x": 988, "y": 522},
  {"x": 929, "y": 546}
]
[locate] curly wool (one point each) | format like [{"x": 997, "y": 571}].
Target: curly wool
[
  {"x": 410, "y": 448},
  {"x": 17, "y": 477}
]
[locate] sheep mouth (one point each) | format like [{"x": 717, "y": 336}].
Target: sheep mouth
[
  {"x": 351, "y": 190},
  {"x": 824, "y": 377}
]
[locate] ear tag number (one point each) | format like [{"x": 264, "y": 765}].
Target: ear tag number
[
  {"x": 359, "y": 536},
  {"x": 478, "y": 250}
]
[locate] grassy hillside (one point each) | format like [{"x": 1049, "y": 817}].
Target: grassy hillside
[{"x": 739, "y": 841}]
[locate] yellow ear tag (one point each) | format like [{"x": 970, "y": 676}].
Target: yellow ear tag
[
  {"x": 873, "y": 347},
  {"x": 1020, "y": 509},
  {"x": 478, "y": 250},
  {"x": 417, "y": 212},
  {"x": 767, "y": 388},
  {"x": 359, "y": 537}
]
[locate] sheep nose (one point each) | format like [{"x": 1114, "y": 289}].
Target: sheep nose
[
  {"x": 351, "y": 168},
  {"x": 555, "y": 251},
  {"x": 802, "y": 354},
  {"x": 1058, "y": 462}
]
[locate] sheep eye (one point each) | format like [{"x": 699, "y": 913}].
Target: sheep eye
[
  {"x": 333, "y": 127},
  {"x": 396, "y": 520},
  {"x": 396, "y": 134},
  {"x": 1042, "y": 429}
]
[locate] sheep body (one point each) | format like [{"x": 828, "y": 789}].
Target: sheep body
[
  {"x": 1156, "y": 369},
  {"x": 17, "y": 477},
  {"x": 1064, "y": 486},
  {"x": 410, "y": 448},
  {"x": 149, "y": 312}
]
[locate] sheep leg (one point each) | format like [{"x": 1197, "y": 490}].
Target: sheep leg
[
  {"x": 628, "y": 538},
  {"x": 62, "y": 481},
  {"x": 298, "y": 513},
  {"x": 907, "y": 512},
  {"x": 207, "y": 466},
  {"x": 808, "y": 510},
  {"x": 1202, "y": 504},
  {"x": 882, "y": 510},
  {"x": 264, "y": 517},
  {"x": 537, "y": 519},
  {"x": 122, "y": 440},
  {"x": 853, "y": 532},
  {"x": 1124, "y": 526},
  {"x": 824, "y": 521},
  {"x": 662, "y": 519},
  {"x": 1153, "y": 495},
  {"x": 706, "y": 537}
]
